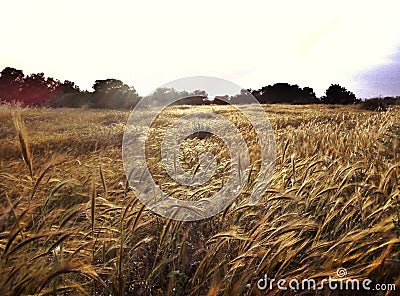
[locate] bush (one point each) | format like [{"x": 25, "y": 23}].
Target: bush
[{"x": 375, "y": 104}]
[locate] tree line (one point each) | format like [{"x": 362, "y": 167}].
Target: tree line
[{"x": 38, "y": 90}]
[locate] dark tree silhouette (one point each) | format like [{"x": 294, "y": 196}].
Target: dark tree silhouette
[
  {"x": 285, "y": 93},
  {"x": 337, "y": 94},
  {"x": 307, "y": 96},
  {"x": 68, "y": 87},
  {"x": 34, "y": 89},
  {"x": 113, "y": 93},
  {"x": 69, "y": 95},
  {"x": 11, "y": 81},
  {"x": 39, "y": 90}
]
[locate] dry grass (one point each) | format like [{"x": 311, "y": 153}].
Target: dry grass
[{"x": 70, "y": 224}]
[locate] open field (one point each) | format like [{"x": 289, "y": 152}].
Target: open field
[{"x": 70, "y": 224}]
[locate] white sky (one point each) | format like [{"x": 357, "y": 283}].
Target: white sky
[{"x": 251, "y": 43}]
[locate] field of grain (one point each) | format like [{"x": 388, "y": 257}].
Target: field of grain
[{"x": 71, "y": 225}]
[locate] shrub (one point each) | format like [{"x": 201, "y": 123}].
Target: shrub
[{"x": 375, "y": 104}]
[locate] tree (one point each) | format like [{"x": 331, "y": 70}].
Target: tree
[
  {"x": 165, "y": 94},
  {"x": 34, "y": 89},
  {"x": 243, "y": 97},
  {"x": 307, "y": 96},
  {"x": 199, "y": 92},
  {"x": 196, "y": 97},
  {"x": 11, "y": 81},
  {"x": 337, "y": 94},
  {"x": 38, "y": 90},
  {"x": 69, "y": 95},
  {"x": 113, "y": 93},
  {"x": 285, "y": 93},
  {"x": 68, "y": 87}
]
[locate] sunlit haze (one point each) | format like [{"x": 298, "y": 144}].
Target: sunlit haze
[{"x": 251, "y": 43}]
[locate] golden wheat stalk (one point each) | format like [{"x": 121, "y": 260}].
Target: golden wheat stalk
[{"x": 23, "y": 141}]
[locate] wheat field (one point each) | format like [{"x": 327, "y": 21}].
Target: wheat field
[{"x": 71, "y": 225}]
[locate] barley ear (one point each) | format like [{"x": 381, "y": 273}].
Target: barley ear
[{"x": 23, "y": 141}]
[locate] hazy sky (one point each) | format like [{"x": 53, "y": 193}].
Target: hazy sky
[{"x": 251, "y": 43}]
